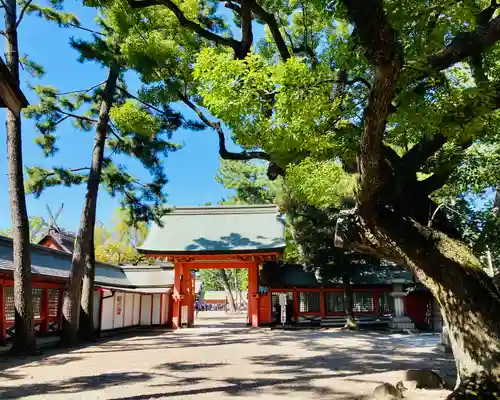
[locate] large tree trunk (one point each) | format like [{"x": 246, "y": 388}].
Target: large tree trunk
[
  {"x": 24, "y": 338},
  {"x": 469, "y": 300},
  {"x": 227, "y": 288},
  {"x": 348, "y": 303},
  {"x": 83, "y": 263}
]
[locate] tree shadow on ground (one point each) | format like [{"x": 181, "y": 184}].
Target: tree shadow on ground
[
  {"x": 73, "y": 385},
  {"x": 296, "y": 362}
]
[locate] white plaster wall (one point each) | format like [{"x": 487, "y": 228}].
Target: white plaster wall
[
  {"x": 164, "y": 314},
  {"x": 156, "y": 309},
  {"x": 129, "y": 309},
  {"x": 146, "y": 310},
  {"x": 137, "y": 305},
  {"x": 107, "y": 311},
  {"x": 97, "y": 303},
  {"x": 119, "y": 318}
]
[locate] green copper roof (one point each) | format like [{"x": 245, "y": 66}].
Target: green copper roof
[{"x": 218, "y": 229}]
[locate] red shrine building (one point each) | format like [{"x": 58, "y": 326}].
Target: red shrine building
[{"x": 194, "y": 238}]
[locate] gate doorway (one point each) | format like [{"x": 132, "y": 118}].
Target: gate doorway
[{"x": 217, "y": 237}]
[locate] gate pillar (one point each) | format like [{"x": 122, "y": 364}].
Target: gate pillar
[{"x": 253, "y": 294}]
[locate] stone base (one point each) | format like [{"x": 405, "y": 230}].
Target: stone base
[{"x": 402, "y": 324}]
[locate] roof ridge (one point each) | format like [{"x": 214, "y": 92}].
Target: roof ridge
[{"x": 223, "y": 209}]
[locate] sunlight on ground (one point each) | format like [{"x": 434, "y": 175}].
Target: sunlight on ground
[{"x": 222, "y": 358}]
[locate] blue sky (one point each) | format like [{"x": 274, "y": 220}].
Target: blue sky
[{"x": 191, "y": 171}]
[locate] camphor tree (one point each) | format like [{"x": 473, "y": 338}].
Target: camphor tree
[
  {"x": 396, "y": 95},
  {"x": 124, "y": 125},
  {"x": 15, "y": 13}
]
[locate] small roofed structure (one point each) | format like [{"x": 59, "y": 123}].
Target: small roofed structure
[
  {"x": 11, "y": 96},
  {"x": 240, "y": 236},
  {"x": 59, "y": 239},
  {"x": 124, "y": 296}
]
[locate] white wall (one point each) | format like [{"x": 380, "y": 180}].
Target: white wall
[
  {"x": 129, "y": 309},
  {"x": 156, "y": 309},
  {"x": 137, "y": 305},
  {"x": 164, "y": 313},
  {"x": 107, "y": 311},
  {"x": 146, "y": 310},
  {"x": 119, "y": 299}
]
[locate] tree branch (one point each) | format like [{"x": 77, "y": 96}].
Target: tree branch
[
  {"x": 86, "y": 29},
  {"x": 270, "y": 20},
  {"x": 464, "y": 45},
  {"x": 246, "y": 26},
  {"x": 223, "y": 152},
  {"x": 82, "y": 90},
  {"x": 128, "y": 94},
  {"x": 195, "y": 27},
  {"x": 385, "y": 55},
  {"x": 23, "y": 11},
  {"x": 82, "y": 117}
]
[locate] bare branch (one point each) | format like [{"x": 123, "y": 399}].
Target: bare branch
[
  {"x": 233, "y": 7},
  {"x": 81, "y": 91},
  {"x": 223, "y": 152},
  {"x": 23, "y": 11},
  {"x": 86, "y": 29},
  {"x": 82, "y": 117}
]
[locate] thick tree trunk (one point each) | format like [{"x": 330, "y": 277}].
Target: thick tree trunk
[
  {"x": 86, "y": 327},
  {"x": 469, "y": 301},
  {"x": 24, "y": 339},
  {"x": 227, "y": 288},
  {"x": 348, "y": 303},
  {"x": 83, "y": 263}
]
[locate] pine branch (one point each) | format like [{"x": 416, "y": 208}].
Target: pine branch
[
  {"x": 23, "y": 11},
  {"x": 223, "y": 152},
  {"x": 82, "y": 117},
  {"x": 128, "y": 94},
  {"x": 86, "y": 29},
  {"x": 83, "y": 91}
]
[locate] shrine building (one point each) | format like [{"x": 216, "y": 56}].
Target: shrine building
[{"x": 193, "y": 238}]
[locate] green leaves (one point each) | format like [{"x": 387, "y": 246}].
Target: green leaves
[{"x": 30, "y": 66}]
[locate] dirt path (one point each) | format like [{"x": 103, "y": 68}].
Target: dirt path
[{"x": 223, "y": 359}]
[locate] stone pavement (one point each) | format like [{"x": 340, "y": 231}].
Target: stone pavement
[{"x": 220, "y": 359}]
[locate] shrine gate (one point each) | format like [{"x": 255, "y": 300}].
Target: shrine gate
[{"x": 196, "y": 238}]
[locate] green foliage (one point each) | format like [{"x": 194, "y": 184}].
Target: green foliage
[
  {"x": 212, "y": 279},
  {"x": 117, "y": 244},
  {"x": 249, "y": 181},
  {"x": 37, "y": 225},
  {"x": 32, "y": 67}
]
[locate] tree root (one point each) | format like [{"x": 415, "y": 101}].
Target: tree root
[{"x": 477, "y": 387}]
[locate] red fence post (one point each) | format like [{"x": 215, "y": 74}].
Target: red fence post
[{"x": 2, "y": 313}]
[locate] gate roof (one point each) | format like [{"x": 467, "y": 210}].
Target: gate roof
[{"x": 217, "y": 229}]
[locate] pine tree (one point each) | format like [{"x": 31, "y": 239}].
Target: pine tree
[
  {"x": 24, "y": 338},
  {"x": 125, "y": 125}
]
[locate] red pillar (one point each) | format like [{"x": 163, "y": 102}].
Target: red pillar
[
  {"x": 322, "y": 303},
  {"x": 253, "y": 294},
  {"x": 45, "y": 311},
  {"x": 176, "y": 300},
  {"x": 187, "y": 286},
  {"x": 376, "y": 302},
  {"x": 296, "y": 302}
]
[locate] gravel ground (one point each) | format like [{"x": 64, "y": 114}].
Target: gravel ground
[{"x": 222, "y": 359}]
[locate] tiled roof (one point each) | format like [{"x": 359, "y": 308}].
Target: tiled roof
[
  {"x": 218, "y": 229},
  {"x": 53, "y": 263}
]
